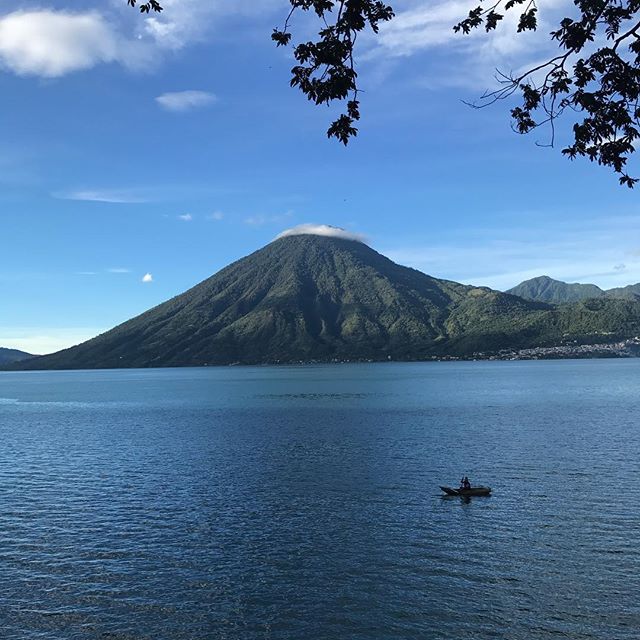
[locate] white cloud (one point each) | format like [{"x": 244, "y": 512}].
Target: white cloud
[
  {"x": 185, "y": 217},
  {"x": 119, "y": 270},
  {"x": 216, "y": 215},
  {"x": 112, "y": 196},
  {"x": 187, "y": 21},
  {"x": 182, "y": 22},
  {"x": 425, "y": 26},
  {"x": 50, "y": 44},
  {"x": 185, "y": 100},
  {"x": 147, "y": 277},
  {"x": 322, "y": 230}
]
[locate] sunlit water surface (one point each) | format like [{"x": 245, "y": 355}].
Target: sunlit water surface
[{"x": 303, "y": 502}]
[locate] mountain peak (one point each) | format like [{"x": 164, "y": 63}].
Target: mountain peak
[
  {"x": 13, "y": 355},
  {"x": 325, "y": 230},
  {"x": 549, "y": 290},
  {"x": 546, "y": 289}
]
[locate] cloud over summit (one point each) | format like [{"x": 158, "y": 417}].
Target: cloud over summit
[{"x": 322, "y": 230}]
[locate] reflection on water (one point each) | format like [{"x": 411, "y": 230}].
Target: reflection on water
[
  {"x": 316, "y": 396},
  {"x": 303, "y": 502}
]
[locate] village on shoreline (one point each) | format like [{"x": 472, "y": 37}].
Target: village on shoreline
[{"x": 629, "y": 348}]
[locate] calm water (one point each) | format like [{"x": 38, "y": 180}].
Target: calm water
[{"x": 303, "y": 502}]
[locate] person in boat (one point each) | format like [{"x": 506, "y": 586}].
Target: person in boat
[{"x": 465, "y": 483}]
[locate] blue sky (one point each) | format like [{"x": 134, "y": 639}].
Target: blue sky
[{"x": 169, "y": 146}]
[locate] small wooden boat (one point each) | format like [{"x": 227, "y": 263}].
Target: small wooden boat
[{"x": 466, "y": 493}]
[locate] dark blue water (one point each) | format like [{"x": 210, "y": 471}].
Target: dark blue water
[{"x": 303, "y": 502}]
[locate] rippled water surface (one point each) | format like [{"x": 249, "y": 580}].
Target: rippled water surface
[{"x": 303, "y": 502}]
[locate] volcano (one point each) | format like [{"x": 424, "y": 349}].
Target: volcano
[{"x": 309, "y": 297}]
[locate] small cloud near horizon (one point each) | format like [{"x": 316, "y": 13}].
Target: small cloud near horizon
[
  {"x": 216, "y": 215},
  {"x": 147, "y": 277},
  {"x": 111, "y": 196},
  {"x": 180, "y": 101},
  {"x": 185, "y": 217},
  {"x": 119, "y": 270},
  {"x": 322, "y": 230}
]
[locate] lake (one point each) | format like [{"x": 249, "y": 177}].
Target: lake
[{"x": 303, "y": 502}]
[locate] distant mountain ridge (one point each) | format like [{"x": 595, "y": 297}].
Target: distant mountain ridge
[
  {"x": 13, "y": 355},
  {"x": 313, "y": 298},
  {"x": 546, "y": 289},
  {"x": 630, "y": 292}
]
